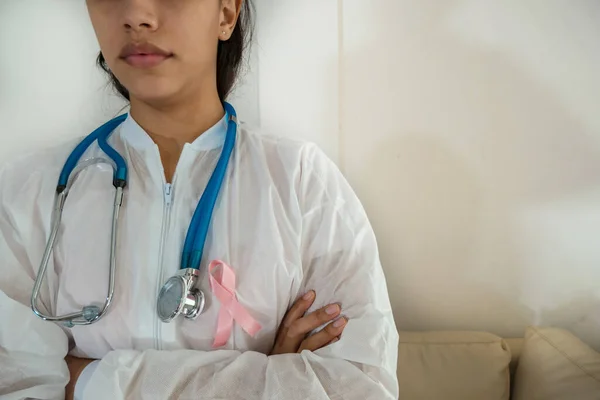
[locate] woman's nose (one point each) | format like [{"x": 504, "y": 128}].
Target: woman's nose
[{"x": 140, "y": 15}]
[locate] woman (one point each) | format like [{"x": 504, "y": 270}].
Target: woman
[{"x": 285, "y": 221}]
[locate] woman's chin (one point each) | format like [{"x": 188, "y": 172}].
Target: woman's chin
[{"x": 155, "y": 95}]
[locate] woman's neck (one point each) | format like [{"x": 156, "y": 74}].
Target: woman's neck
[{"x": 172, "y": 126}]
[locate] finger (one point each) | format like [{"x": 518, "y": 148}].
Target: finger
[
  {"x": 297, "y": 311},
  {"x": 329, "y": 335},
  {"x": 296, "y": 333},
  {"x": 299, "y": 308},
  {"x": 303, "y": 326}
]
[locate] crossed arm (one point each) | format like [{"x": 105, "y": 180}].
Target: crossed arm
[{"x": 294, "y": 334}]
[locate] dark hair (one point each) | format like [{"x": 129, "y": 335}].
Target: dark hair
[{"x": 230, "y": 55}]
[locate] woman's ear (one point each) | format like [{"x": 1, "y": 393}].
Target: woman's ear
[{"x": 230, "y": 12}]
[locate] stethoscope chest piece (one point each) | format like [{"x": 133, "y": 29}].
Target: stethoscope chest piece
[{"x": 179, "y": 295}]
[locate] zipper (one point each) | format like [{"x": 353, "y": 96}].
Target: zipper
[
  {"x": 168, "y": 195},
  {"x": 168, "y": 201}
]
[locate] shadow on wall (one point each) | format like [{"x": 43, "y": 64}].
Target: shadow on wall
[
  {"x": 580, "y": 315},
  {"x": 457, "y": 142},
  {"x": 431, "y": 240}
]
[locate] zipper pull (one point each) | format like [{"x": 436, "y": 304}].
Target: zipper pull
[{"x": 168, "y": 194}]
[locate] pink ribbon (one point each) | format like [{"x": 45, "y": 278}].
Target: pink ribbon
[{"x": 222, "y": 284}]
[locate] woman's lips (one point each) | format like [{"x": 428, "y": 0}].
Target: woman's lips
[
  {"x": 145, "y": 60},
  {"x": 144, "y": 55}
]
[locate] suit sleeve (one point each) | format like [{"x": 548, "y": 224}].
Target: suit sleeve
[{"x": 32, "y": 351}]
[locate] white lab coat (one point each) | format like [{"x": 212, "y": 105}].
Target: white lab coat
[{"x": 286, "y": 221}]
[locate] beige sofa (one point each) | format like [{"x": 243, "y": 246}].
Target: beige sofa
[{"x": 547, "y": 364}]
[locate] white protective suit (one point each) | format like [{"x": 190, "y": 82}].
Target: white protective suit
[{"x": 286, "y": 221}]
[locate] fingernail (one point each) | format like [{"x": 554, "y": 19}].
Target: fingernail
[
  {"x": 332, "y": 309},
  {"x": 308, "y": 295},
  {"x": 339, "y": 323}
]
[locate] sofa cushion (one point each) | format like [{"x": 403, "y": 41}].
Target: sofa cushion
[
  {"x": 556, "y": 365},
  {"x": 453, "y": 366}
]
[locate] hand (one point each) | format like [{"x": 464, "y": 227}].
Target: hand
[
  {"x": 291, "y": 337},
  {"x": 76, "y": 367}
]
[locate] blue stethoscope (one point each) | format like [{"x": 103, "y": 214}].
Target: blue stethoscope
[{"x": 180, "y": 294}]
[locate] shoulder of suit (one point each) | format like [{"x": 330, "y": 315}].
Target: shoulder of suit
[
  {"x": 46, "y": 161},
  {"x": 269, "y": 141}
]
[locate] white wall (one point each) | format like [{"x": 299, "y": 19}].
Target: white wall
[
  {"x": 49, "y": 88},
  {"x": 297, "y": 46},
  {"x": 471, "y": 132},
  {"x": 469, "y": 129}
]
